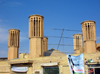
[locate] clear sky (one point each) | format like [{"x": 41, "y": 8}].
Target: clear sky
[{"x": 58, "y": 14}]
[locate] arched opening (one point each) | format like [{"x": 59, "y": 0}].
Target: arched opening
[{"x": 98, "y": 49}]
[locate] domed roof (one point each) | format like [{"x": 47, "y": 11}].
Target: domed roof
[{"x": 53, "y": 52}]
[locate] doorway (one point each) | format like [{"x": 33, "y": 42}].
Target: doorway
[
  {"x": 97, "y": 70},
  {"x": 51, "y": 70},
  {"x": 94, "y": 71}
]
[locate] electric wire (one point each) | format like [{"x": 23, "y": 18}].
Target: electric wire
[
  {"x": 62, "y": 29},
  {"x": 62, "y": 37},
  {"x": 63, "y": 44}
]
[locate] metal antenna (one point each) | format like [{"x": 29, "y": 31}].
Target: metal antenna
[
  {"x": 60, "y": 38},
  {"x": 63, "y": 42}
]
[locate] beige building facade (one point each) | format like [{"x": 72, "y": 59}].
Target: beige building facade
[
  {"x": 37, "y": 65},
  {"x": 40, "y": 60}
]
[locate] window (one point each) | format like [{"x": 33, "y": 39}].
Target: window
[
  {"x": 37, "y": 72},
  {"x": 98, "y": 49},
  {"x": 94, "y": 69},
  {"x": 50, "y": 70}
]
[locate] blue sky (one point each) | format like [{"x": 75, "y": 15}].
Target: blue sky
[{"x": 58, "y": 14}]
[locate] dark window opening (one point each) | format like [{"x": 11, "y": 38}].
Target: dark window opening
[
  {"x": 89, "y": 31},
  {"x": 37, "y": 72},
  {"x": 86, "y": 30},
  {"x": 39, "y": 27},
  {"x": 51, "y": 70},
  {"x": 34, "y": 27}
]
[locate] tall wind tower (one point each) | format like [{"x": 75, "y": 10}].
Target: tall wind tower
[
  {"x": 89, "y": 36},
  {"x": 45, "y": 44},
  {"x": 35, "y": 35},
  {"x": 13, "y": 43},
  {"x": 78, "y": 43}
]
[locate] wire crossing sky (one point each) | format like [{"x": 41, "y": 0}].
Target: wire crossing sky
[{"x": 58, "y": 15}]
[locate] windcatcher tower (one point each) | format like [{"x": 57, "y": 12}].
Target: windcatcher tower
[
  {"x": 45, "y": 44},
  {"x": 89, "y": 36},
  {"x": 78, "y": 43},
  {"x": 13, "y": 43},
  {"x": 35, "y": 35}
]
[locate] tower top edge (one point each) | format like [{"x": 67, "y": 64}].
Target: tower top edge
[
  {"x": 14, "y": 29},
  {"x": 35, "y": 15},
  {"x": 88, "y": 21},
  {"x": 46, "y": 37},
  {"x": 77, "y": 34}
]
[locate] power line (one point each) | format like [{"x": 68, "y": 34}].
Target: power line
[
  {"x": 62, "y": 29},
  {"x": 59, "y": 37},
  {"x": 63, "y": 44},
  {"x": 62, "y": 37}
]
